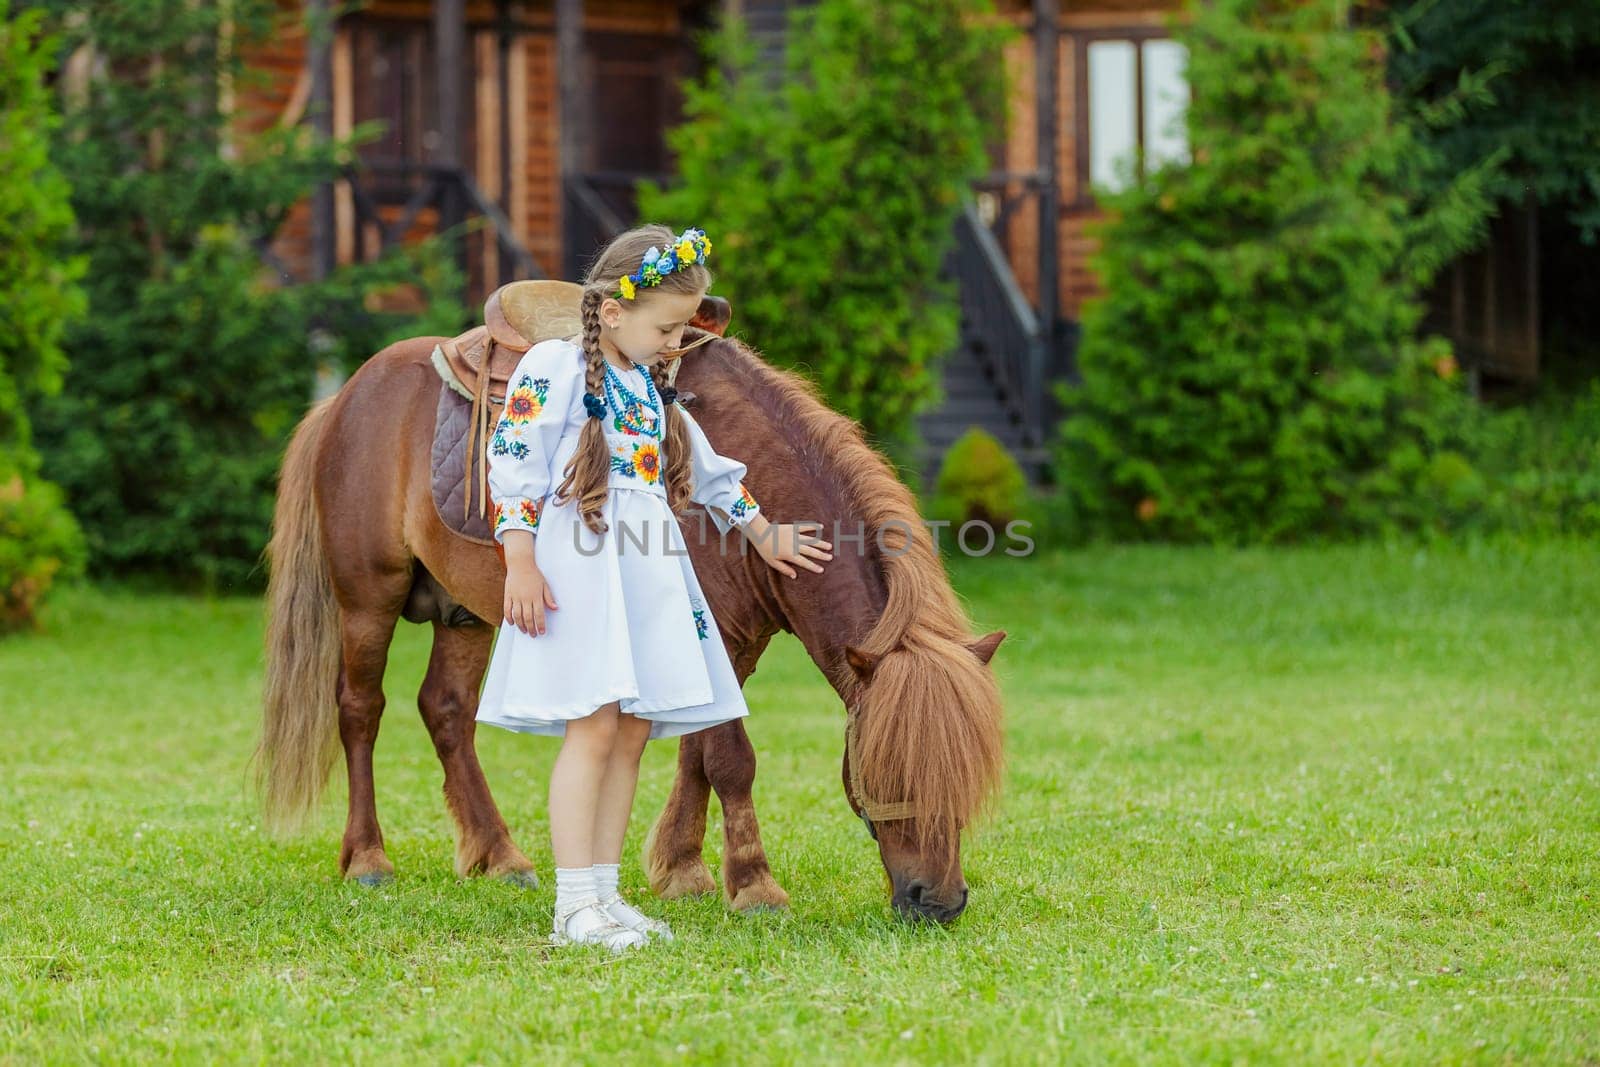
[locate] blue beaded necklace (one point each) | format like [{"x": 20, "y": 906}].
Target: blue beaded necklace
[{"x": 629, "y": 406}]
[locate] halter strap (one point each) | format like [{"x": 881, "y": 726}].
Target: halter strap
[
  {"x": 678, "y": 353},
  {"x": 871, "y": 810}
]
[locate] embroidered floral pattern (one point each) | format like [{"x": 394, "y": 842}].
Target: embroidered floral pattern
[
  {"x": 744, "y": 507},
  {"x": 523, "y": 405},
  {"x": 523, "y": 512},
  {"x": 647, "y": 461},
  {"x": 638, "y": 416},
  {"x": 701, "y": 629},
  {"x": 642, "y": 461}
]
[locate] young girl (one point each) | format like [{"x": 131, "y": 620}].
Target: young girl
[{"x": 607, "y": 639}]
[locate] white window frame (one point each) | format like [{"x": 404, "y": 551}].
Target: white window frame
[{"x": 1089, "y": 168}]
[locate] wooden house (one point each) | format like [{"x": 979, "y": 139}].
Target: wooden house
[
  {"x": 533, "y": 119},
  {"x": 483, "y": 123}
]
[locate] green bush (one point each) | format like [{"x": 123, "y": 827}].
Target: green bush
[
  {"x": 38, "y": 297},
  {"x": 39, "y": 545},
  {"x": 831, "y": 195},
  {"x": 1540, "y": 113},
  {"x": 1252, "y": 372},
  {"x": 38, "y": 294},
  {"x": 1451, "y": 486},
  {"x": 1539, "y": 466},
  {"x": 194, "y": 363},
  {"x": 979, "y": 481}
]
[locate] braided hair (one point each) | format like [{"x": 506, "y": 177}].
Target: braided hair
[{"x": 588, "y": 474}]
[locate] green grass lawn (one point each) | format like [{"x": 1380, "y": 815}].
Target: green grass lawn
[{"x": 1315, "y": 805}]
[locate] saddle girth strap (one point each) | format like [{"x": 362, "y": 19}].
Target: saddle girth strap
[{"x": 477, "y": 443}]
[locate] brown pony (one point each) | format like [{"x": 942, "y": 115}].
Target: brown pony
[{"x": 357, "y": 545}]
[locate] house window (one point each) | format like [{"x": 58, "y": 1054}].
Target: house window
[{"x": 1131, "y": 97}]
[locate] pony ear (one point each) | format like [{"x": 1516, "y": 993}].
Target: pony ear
[
  {"x": 862, "y": 664},
  {"x": 713, "y": 315},
  {"x": 984, "y": 646}
]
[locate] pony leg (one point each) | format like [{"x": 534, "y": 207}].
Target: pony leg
[
  {"x": 672, "y": 850},
  {"x": 730, "y": 765},
  {"x": 366, "y": 636},
  {"x": 448, "y": 701}
]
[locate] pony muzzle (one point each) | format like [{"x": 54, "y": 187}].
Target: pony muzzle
[{"x": 919, "y": 900}]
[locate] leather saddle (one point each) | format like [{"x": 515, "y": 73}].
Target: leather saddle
[
  {"x": 516, "y": 317},
  {"x": 479, "y": 363}
]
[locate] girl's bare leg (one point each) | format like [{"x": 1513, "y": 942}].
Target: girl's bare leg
[
  {"x": 617, "y": 788},
  {"x": 575, "y": 782}
]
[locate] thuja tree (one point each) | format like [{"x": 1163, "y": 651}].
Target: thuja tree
[
  {"x": 1540, "y": 61},
  {"x": 192, "y": 365},
  {"x": 38, "y": 295},
  {"x": 830, "y": 190},
  {"x": 1539, "y": 115},
  {"x": 1252, "y": 371}
]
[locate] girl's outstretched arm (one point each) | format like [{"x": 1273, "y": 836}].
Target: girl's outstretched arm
[
  {"x": 782, "y": 544},
  {"x": 718, "y": 480},
  {"x": 719, "y": 487}
]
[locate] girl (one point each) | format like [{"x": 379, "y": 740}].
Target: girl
[{"x": 632, "y": 652}]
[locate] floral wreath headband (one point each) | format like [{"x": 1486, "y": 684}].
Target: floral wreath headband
[{"x": 689, "y": 247}]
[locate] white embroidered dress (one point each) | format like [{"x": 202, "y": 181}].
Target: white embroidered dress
[{"x": 632, "y": 623}]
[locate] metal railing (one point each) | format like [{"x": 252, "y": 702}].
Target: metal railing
[
  {"x": 1000, "y": 327},
  {"x": 598, "y": 207}
]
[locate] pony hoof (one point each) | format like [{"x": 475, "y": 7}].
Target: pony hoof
[
  {"x": 521, "y": 879},
  {"x": 373, "y": 879},
  {"x": 691, "y": 880},
  {"x": 762, "y": 895}
]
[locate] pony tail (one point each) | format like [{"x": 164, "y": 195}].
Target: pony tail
[
  {"x": 588, "y": 473},
  {"x": 676, "y": 473}
]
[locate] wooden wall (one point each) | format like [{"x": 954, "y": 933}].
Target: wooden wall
[
  {"x": 274, "y": 92},
  {"x": 277, "y": 92},
  {"x": 1076, "y": 281}
]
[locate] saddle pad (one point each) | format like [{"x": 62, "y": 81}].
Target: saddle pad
[{"x": 451, "y": 421}]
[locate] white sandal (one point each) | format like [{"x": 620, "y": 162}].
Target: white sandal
[
  {"x": 596, "y": 927},
  {"x": 634, "y": 919}
]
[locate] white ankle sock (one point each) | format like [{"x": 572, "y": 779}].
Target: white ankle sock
[
  {"x": 605, "y": 879},
  {"x": 574, "y": 885}
]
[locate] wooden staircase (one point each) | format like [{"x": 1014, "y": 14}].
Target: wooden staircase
[
  {"x": 1004, "y": 371},
  {"x": 972, "y": 398},
  {"x": 1002, "y": 375}
]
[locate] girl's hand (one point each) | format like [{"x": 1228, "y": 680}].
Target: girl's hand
[
  {"x": 780, "y": 544},
  {"x": 527, "y": 597}
]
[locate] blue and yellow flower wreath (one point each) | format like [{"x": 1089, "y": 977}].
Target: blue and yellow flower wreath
[{"x": 691, "y": 246}]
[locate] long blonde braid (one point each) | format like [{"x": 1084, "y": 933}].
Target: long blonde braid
[
  {"x": 676, "y": 472},
  {"x": 588, "y": 472}
]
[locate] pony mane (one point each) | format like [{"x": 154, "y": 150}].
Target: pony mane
[{"x": 930, "y": 729}]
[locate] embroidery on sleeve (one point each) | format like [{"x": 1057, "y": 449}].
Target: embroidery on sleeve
[
  {"x": 524, "y": 511},
  {"x": 745, "y": 506},
  {"x": 523, "y": 405},
  {"x": 700, "y": 626}
]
